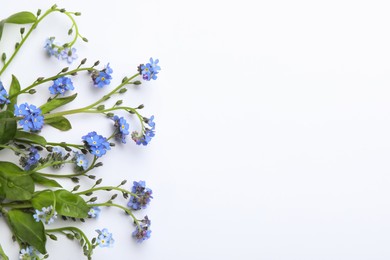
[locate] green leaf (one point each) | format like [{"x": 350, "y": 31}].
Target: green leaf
[
  {"x": 31, "y": 137},
  {"x": 21, "y": 18},
  {"x": 55, "y": 103},
  {"x": 2, "y": 22},
  {"x": 15, "y": 88},
  {"x": 15, "y": 184},
  {"x": 7, "y": 128},
  {"x": 59, "y": 122},
  {"x": 45, "y": 181},
  {"x": 71, "y": 205},
  {"x": 27, "y": 229},
  {"x": 67, "y": 203}
]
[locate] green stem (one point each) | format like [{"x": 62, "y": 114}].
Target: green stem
[
  {"x": 74, "y": 230},
  {"x": 12, "y": 148},
  {"x": 60, "y": 175},
  {"x": 87, "y": 108},
  {"x": 23, "y": 205},
  {"x": 106, "y": 188},
  {"x": 78, "y": 146},
  {"x": 24, "y": 39},
  {"x": 128, "y": 211}
]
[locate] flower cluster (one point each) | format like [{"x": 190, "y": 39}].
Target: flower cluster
[
  {"x": 149, "y": 70},
  {"x": 141, "y": 196},
  {"x": 103, "y": 77},
  {"x": 122, "y": 128},
  {"x": 96, "y": 144},
  {"x": 3, "y": 95},
  {"x": 94, "y": 212},
  {"x": 81, "y": 160},
  {"x": 105, "y": 238},
  {"x": 61, "y": 85},
  {"x": 145, "y": 138},
  {"x": 46, "y": 215},
  {"x": 31, "y": 160},
  {"x": 65, "y": 53},
  {"x": 29, "y": 253},
  {"x": 32, "y": 119},
  {"x": 142, "y": 231}
]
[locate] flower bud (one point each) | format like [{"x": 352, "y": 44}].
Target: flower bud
[
  {"x": 99, "y": 181},
  {"x": 83, "y": 61},
  {"x": 68, "y": 149},
  {"x": 124, "y": 79},
  {"x": 22, "y": 30},
  {"x": 140, "y": 106},
  {"x": 110, "y": 114},
  {"x": 114, "y": 196},
  {"x": 3, "y": 57},
  {"x": 77, "y": 13},
  {"x": 53, "y": 237},
  {"x": 93, "y": 199},
  {"x": 40, "y": 79},
  {"x": 39, "y": 12},
  {"x": 123, "y": 182},
  {"x": 98, "y": 164},
  {"x": 75, "y": 179},
  {"x": 119, "y": 102},
  {"x": 92, "y": 177},
  {"x": 123, "y": 90},
  {"x": 70, "y": 236},
  {"x": 96, "y": 63},
  {"x": 137, "y": 82},
  {"x": 85, "y": 39},
  {"x": 62, "y": 10},
  {"x": 32, "y": 91},
  {"x": 17, "y": 45},
  {"x": 76, "y": 188}
]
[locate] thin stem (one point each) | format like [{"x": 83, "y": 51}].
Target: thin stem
[
  {"x": 106, "y": 188},
  {"x": 2, "y": 253},
  {"x": 13, "y": 205},
  {"x": 12, "y": 148},
  {"x": 78, "y": 146},
  {"x": 128, "y": 211}
]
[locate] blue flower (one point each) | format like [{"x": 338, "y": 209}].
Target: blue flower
[
  {"x": 103, "y": 77},
  {"x": 29, "y": 253},
  {"x": 50, "y": 47},
  {"x": 31, "y": 160},
  {"x": 142, "y": 198},
  {"x": 105, "y": 238},
  {"x": 150, "y": 70},
  {"x": 61, "y": 85},
  {"x": 94, "y": 212},
  {"x": 150, "y": 122},
  {"x": 148, "y": 134},
  {"x": 96, "y": 144},
  {"x": 32, "y": 118},
  {"x": 69, "y": 54},
  {"x": 81, "y": 160},
  {"x": 122, "y": 128},
  {"x": 142, "y": 233},
  {"x": 46, "y": 215},
  {"x": 3, "y": 95}
]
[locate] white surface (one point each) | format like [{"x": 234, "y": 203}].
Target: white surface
[{"x": 272, "y": 125}]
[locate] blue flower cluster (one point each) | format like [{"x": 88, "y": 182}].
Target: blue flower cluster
[
  {"x": 103, "y": 77},
  {"x": 142, "y": 196},
  {"x": 3, "y": 95},
  {"x": 96, "y": 144},
  {"x": 148, "y": 134},
  {"x": 149, "y": 70},
  {"x": 105, "y": 238},
  {"x": 68, "y": 54},
  {"x": 31, "y": 160},
  {"x": 61, "y": 85},
  {"x": 122, "y": 128},
  {"x": 29, "y": 253},
  {"x": 46, "y": 215},
  {"x": 142, "y": 231},
  {"x": 32, "y": 118},
  {"x": 94, "y": 212}
]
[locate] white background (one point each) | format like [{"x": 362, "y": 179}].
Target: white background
[{"x": 272, "y": 124}]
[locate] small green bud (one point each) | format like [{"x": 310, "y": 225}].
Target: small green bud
[
  {"x": 96, "y": 63},
  {"x": 40, "y": 79},
  {"x": 114, "y": 196},
  {"x": 46, "y": 256},
  {"x": 112, "y": 144},
  {"x": 17, "y": 45},
  {"x": 32, "y": 91},
  {"x": 123, "y": 182},
  {"x": 65, "y": 45},
  {"x": 137, "y": 82},
  {"x": 77, "y": 236},
  {"x": 77, "y": 13},
  {"x": 75, "y": 179},
  {"x": 85, "y": 39},
  {"x": 101, "y": 107},
  {"x": 88, "y": 194},
  {"x": 53, "y": 237},
  {"x": 123, "y": 90},
  {"x": 98, "y": 164},
  {"x": 93, "y": 240},
  {"x": 70, "y": 31},
  {"x": 74, "y": 74},
  {"x": 68, "y": 149},
  {"x": 62, "y": 10},
  {"x": 99, "y": 181},
  {"x": 131, "y": 112},
  {"x": 3, "y": 57},
  {"x": 141, "y": 106},
  {"x": 93, "y": 199},
  {"x": 22, "y": 30},
  {"x": 83, "y": 61},
  {"x": 70, "y": 236},
  {"x": 110, "y": 114},
  {"x": 65, "y": 69},
  {"x": 39, "y": 12},
  {"x": 49, "y": 149},
  {"x": 124, "y": 79},
  {"x": 54, "y": 7},
  {"x": 76, "y": 188},
  {"x": 119, "y": 102},
  {"x": 92, "y": 177},
  {"x": 84, "y": 151}
]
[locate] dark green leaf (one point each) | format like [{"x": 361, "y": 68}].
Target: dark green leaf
[
  {"x": 57, "y": 102},
  {"x": 67, "y": 203},
  {"x": 22, "y": 18},
  {"x": 15, "y": 88},
  {"x": 31, "y": 137},
  {"x": 27, "y": 229},
  {"x": 7, "y": 127},
  {"x": 15, "y": 184},
  {"x": 59, "y": 122},
  {"x": 71, "y": 205},
  {"x": 45, "y": 181}
]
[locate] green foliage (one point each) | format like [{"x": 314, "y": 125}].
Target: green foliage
[
  {"x": 18, "y": 18},
  {"x": 30, "y": 137},
  {"x": 7, "y": 127},
  {"x": 59, "y": 122},
  {"x": 14, "y": 89},
  {"x": 26, "y": 229},
  {"x": 15, "y": 184},
  {"x": 56, "y": 103}
]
